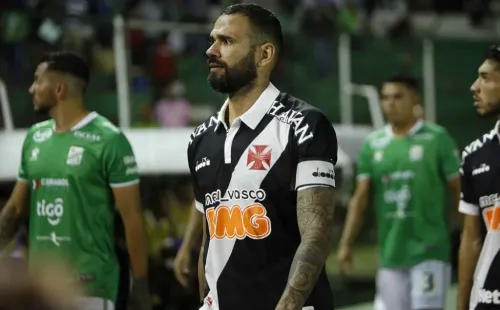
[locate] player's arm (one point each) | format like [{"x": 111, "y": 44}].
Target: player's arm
[
  {"x": 16, "y": 209},
  {"x": 198, "y": 220},
  {"x": 356, "y": 212},
  {"x": 471, "y": 241},
  {"x": 201, "y": 266},
  {"x": 449, "y": 161},
  {"x": 359, "y": 201},
  {"x": 315, "y": 208},
  {"x": 123, "y": 178},
  {"x": 14, "y": 213},
  {"x": 194, "y": 230},
  {"x": 470, "y": 247},
  {"x": 128, "y": 200}
]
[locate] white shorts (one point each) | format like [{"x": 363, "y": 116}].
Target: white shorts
[
  {"x": 423, "y": 286},
  {"x": 93, "y": 303}
]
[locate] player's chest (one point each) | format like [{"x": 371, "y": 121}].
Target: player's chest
[
  {"x": 242, "y": 163},
  {"x": 59, "y": 158},
  {"x": 404, "y": 155},
  {"x": 485, "y": 176}
]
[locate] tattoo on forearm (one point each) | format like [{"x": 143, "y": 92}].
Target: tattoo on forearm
[
  {"x": 315, "y": 219},
  {"x": 10, "y": 222}
]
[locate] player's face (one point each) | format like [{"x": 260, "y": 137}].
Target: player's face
[
  {"x": 43, "y": 90},
  {"x": 397, "y": 102},
  {"x": 486, "y": 89},
  {"x": 231, "y": 56}
]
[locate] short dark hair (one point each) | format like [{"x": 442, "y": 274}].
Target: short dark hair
[
  {"x": 493, "y": 53},
  {"x": 67, "y": 63},
  {"x": 263, "y": 21},
  {"x": 406, "y": 80}
]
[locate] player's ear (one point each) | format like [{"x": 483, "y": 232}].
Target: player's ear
[
  {"x": 266, "y": 55},
  {"x": 418, "y": 111},
  {"x": 61, "y": 90}
]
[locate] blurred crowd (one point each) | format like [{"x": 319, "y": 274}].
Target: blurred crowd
[
  {"x": 167, "y": 202},
  {"x": 30, "y": 27}
]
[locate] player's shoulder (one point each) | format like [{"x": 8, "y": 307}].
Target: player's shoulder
[
  {"x": 475, "y": 147},
  {"x": 100, "y": 129},
  {"x": 205, "y": 128},
  {"x": 294, "y": 110},
  {"x": 45, "y": 124},
  {"x": 434, "y": 129},
  {"x": 41, "y": 131},
  {"x": 378, "y": 138},
  {"x": 432, "y": 132},
  {"x": 304, "y": 119},
  {"x": 42, "y": 126}
]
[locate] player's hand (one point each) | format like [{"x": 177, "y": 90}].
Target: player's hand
[
  {"x": 344, "y": 259},
  {"x": 139, "y": 298},
  {"x": 182, "y": 265}
]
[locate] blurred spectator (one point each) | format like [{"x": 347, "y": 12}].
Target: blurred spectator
[
  {"x": 147, "y": 118},
  {"x": 47, "y": 289},
  {"x": 163, "y": 66},
  {"x": 165, "y": 223},
  {"x": 77, "y": 30},
  {"x": 319, "y": 24},
  {"x": 14, "y": 27},
  {"x": 173, "y": 110},
  {"x": 151, "y": 10},
  {"x": 179, "y": 204},
  {"x": 103, "y": 59}
]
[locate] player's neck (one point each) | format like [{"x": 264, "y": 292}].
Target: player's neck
[
  {"x": 402, "y": 129},
  {"x": 67, "y": 116},
  {"x": 243, "y": 100}
]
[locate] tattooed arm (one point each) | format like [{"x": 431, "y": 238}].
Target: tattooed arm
[
  {"x": 315, "y": 218},
  {"x": 13, "y": 213}
]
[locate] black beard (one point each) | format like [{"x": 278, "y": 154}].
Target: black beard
[
  {"x": 233, "y": 79},
  {"x": 43, "y": 110},
  {"x": 493, "y": 112}
]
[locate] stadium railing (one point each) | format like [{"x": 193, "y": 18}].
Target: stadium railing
[
  {"x": 348, "y": 89},
  {"x": 5, "y": 104}
]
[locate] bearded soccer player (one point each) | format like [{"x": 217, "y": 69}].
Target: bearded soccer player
[
  {"x": 405, "y": 171},
  {"x": 263, "y": 175},
  {"x": 479, "y": 255},
  {"x": 75, "y": 168}
]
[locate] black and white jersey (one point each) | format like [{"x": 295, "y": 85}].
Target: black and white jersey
[
  {"x": 245, "y": 179},
  {"x": 480, "y": 182}
]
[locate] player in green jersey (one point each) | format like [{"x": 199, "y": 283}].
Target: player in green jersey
[
  {"x": 405, "y": 170},
  {"x": 75, "y": 168}
]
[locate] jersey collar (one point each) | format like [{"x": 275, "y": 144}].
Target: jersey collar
[
  {"x": 257, "y": 111},
  {"x": 496, "y": 130},
  {"x": 418, "y": 125},
  {"x": 84, "y": 122}
]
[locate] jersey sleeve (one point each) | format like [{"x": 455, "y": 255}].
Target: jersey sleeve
[
  {"x": 199, "y": 198},
  {"x": 365, "y": 161},
  {"x": 22, "y": 174},
  {"x": 317, "y": 155},
  {"x": 449, "y": 158},
  {"x": 119, "y": 162},
  {"x": 469, "y": 201}
]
